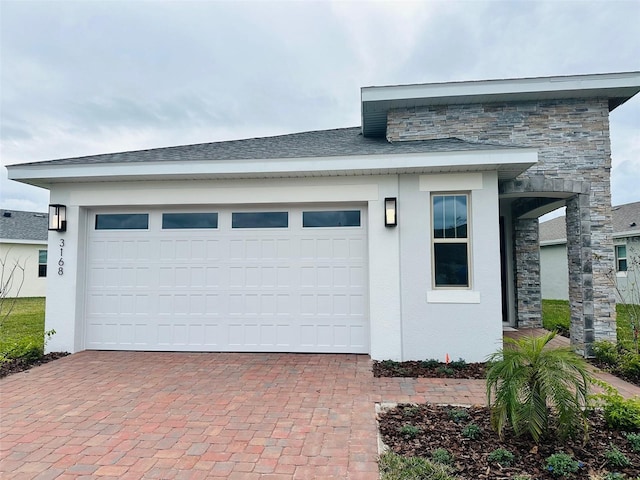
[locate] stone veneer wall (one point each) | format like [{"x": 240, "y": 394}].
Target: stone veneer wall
[
  {"x": 572, "y": 139},
  {"x": 527, "y": 260}
]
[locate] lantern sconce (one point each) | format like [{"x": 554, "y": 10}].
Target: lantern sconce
[
  {"x": 390, "y": 212},
  {"x": 57, "y": 217}
]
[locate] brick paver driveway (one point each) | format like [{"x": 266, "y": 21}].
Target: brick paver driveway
[
  {"x": 190, "y": 415},
  {"x": 206, "y": 415}
]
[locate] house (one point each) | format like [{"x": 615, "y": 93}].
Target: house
[
  {"x": 23, "y": 253},
  {"x": 412, "y": 236},
  {"x": 625, "y": 271}
]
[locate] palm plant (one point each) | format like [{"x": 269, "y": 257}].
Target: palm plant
[{"x": 525, "y": 380}]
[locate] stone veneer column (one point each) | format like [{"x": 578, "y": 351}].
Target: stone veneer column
[
  {"x": 590, "y": 259},
  {"x": 527, "y": 261}
]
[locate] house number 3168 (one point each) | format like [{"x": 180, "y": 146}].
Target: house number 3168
[{"x": 61, "y": 261}]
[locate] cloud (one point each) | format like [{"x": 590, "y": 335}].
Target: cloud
[
  {"x": 16, "y": 196},
  {"x": 624, "y": 184},
  {"x": 505, "y": 39},
  {"x": 90, "y": 77}
]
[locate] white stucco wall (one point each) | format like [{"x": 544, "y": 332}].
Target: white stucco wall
[
  {"x": 27, "y": 256},
  {"x": 554, "y": 272},
  {"x": 463, "y": 323},
  {"x": 404, "y": 323}
]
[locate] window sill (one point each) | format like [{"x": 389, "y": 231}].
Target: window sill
[
  {"x": 453, "y": 296},
  {"x": 622, "y": 274}
]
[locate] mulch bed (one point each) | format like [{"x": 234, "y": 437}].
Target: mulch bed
[
  {"x": 428, "y": 369},
  {"x": 20, "y": 364},
  {"x": 437, "y": 429}
]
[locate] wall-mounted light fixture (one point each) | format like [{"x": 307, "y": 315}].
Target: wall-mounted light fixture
[
  {"x": 390, "y": 212},
  {"x": 57, "y": 217}
]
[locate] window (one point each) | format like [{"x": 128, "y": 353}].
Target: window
[
  {"x": 42, "y": 263},
  {"x": 621, "y": 258},
  {"x": 450, "y": 240},
  {"x": 122, "y": 221},
  {"x": 189, "y": 220},
  {"x": 333, "y": 218},
  {"x": 260, "y": 220}
]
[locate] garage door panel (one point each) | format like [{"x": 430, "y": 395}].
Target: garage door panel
[
  {"x": 212, "y": 335},
  {"x": 224, "y": 289}
]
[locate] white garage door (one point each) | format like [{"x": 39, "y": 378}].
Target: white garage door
[{"x": 278, "y": 280}]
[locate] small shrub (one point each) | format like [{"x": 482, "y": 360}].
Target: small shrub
[
  {"x": 430, "y": 363},
  {"x": 458, "y": 364},
  {"x": 410, "y": 431},
  {"x": 561, "y": 464},
  {"x": 634, "y": 440},
  {"x": 442, "y": 456},
  {"x": 458, "y": 415},
  {"x": 28, "y": 348},
  {"x": 446, "y": 371},
  {"x": 472, "y": 431},
  {"x": 630, "y": 365},
  {"x": 4, "y": 358},
  {"x": 501, "y": 456},
  {"x": 389, "y": 363},
  {"x": 620, "y": 413},
  {"x": 411, "y": 410},
  {"x": 606, "y": 352},
  {"x": 615, "y": 458}
]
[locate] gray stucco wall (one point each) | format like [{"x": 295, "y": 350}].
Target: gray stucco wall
[
  {"x": 629, "y": 281},
  {"x": 554, "y": 272},
  {"x": 554, "y": 278}
]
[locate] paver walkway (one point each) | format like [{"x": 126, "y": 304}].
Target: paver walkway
[{"x": 203, "y": 415}]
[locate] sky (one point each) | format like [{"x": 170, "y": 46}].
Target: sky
[{"x": 88, "y": 77}]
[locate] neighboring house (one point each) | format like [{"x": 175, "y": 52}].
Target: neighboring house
[
  {"x": 554, "y": 276},
  {"x": 23, "y": 244},
  {"x": 412, "y": 236}
]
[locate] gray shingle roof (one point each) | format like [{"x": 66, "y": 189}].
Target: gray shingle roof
[
  {"x": 18, "y": 225},
  {"x": 322, "y": 143},
  {"x": 625, "y": 218},
  {"x": 554, "y": 229}
]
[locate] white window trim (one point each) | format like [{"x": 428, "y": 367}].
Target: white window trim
[
  {"x": 453, "y": 296},
  {"x": 435, "y": 287},
  {"x": 620, "y": 273},
  {"x": 42, "y": 263}
]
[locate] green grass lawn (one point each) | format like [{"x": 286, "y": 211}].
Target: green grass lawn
[
  {"x": 555, "y": 313},
  {"x": 625, "y": 330},
  {"x": 24, "y": 323}
]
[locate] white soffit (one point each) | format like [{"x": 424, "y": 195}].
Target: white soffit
[
  {"x": 509, "y": 163},
  {"x": 377, "y": 101}
]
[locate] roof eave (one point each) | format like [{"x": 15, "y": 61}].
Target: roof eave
[
  {"x": 626, "y": 234},
  {"x": 509, "y": 163},
  {"x": 377, "y": 101}
]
